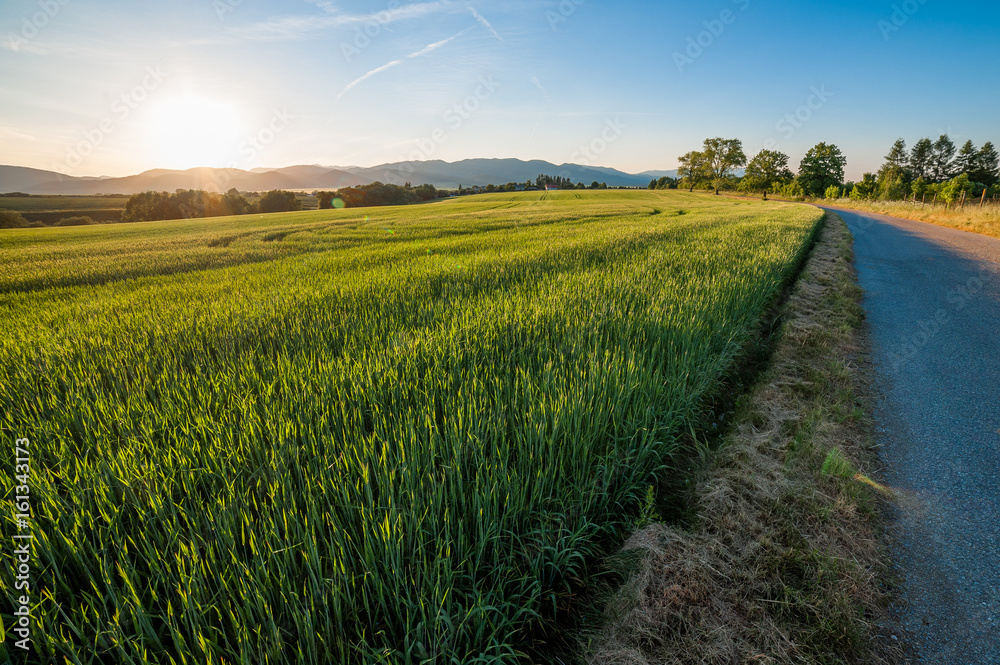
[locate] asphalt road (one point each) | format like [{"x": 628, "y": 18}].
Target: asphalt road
[{"x": 932, "y": 296}]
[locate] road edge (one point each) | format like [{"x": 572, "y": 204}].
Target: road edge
[{"x": 786, "y": 562}]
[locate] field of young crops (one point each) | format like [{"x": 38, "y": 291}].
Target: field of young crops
[{"x": 388, "y": 435}]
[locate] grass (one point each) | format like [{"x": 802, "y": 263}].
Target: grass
[
  {"x": 54, "y": 203},
  {"x": 389, "y": 435},
  {"x": 985, "y": 220},
  {"x": 784, "y": 563}
]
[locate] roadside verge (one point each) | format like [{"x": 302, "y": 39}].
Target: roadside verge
[{"x": 784, "y": 563}]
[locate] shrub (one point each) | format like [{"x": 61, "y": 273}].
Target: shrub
[
  {"x": 11, "y": 219},
  {"x": 793, "y": 190},
  {"x": 81, "y": 220},
  {"x": 833, "y": 192}
]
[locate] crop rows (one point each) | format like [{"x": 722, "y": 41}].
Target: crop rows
[{"x": 328, "y": 438}]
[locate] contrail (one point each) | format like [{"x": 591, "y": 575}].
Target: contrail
[
  {"x": 389, "y": 65},
  {"x": 486, "y": 23}
]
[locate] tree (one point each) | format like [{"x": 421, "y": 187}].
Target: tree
[
  {"x": 692, "y": 169},
  {"x": 427, "y": 192},
  {"x": 942, "y": 164},
  {"x": 278, "y": 200},
  {"x": 987, "y": 170},
  {"x": 325, "y": 200},
  {"x": 822, "y": 167},
  {"x": 766, "y": 172},
  {"x": 11, "y": 219},
  {"x": 952, "y": 190},
  {"x": 235, "y": 203},
  {"x": 721, "y": 158},
  {"x": 865, "y": 189},
  {"x": 897, "y": 157},
  {"x": 652, "y": 184},
  {"x": 894, "y": 175},
  {"x": 966, "y": 159},
  {"x": 920, "y": 159}
]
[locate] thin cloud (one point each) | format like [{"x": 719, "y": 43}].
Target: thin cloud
[
  {"x": 377, "y": 70},
  {"x": 485, "y": 23},
  {"x": 389, "y": 65},
  {"x": 303, "y": 27}
]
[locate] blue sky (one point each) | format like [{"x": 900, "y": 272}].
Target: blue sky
[{"x": 118, "y": 87}]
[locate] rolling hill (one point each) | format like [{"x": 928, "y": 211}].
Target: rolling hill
[{"x": 446, "y": 175}]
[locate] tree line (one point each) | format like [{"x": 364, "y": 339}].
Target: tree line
[
  {"x": 196, "y": 203},
  {"x": 377, "y": 194},
  {"x": 931, "y": 168}
]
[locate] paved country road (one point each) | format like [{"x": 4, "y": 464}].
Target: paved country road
[{"x": 932, "y": 297}]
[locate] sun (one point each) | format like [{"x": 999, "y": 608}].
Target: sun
[{"x": 190, "y": 131}]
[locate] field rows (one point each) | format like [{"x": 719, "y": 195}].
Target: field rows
[{"x": 355, "y": 436}]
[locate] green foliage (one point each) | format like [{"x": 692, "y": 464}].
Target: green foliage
[
  {"x": 722, "y": 157},
  {"x": 278, "y": 200},
  {"x": 10, "y": 219},
  {"x": 767, "y": 172},
  {"x": 822, "y": 167},
  {"x": 942, "y": 159},
  {"x": 325, "y": 200},
  {"x": 866, "y": 189},
  {"x": 362, "y": 436},
  {"x": 921, "y": 157},
  {"x": 832, "y": 192},
  {"x": 426, "y": 192},
  {"x": 692, "y": 169},
  {"x": 75, "y": 221},
  {"x": 987, "y": 170},
  {"x": 951, "y": 191},
  {"x": 376, "y": 194},
  {"x": 793, "y": 190},
  {"x": 183, "y": 204},
  {"x": 652, "y": 184}
]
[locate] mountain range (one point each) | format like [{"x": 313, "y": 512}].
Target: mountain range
[{"x": 445, "y": 175}]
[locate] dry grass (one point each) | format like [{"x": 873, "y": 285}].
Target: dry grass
[
  {"x": 985, "y": 220},
  {"x": 784, "y": 565}
]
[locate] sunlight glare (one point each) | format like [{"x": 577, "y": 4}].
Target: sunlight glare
[{"x": 192, "y": 131}]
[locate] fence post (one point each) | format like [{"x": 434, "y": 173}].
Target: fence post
[
  {"x": 983, "y": 199},
  {"x": 962, "y": 206}
]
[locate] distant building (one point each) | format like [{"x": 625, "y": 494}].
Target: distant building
[{"x": 550, "y": 188}]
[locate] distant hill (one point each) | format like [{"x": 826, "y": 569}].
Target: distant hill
[
  {"x": 445, "y": 175},
  {"x": 34, "y": 181},
  {"x": 494, "y": 171},
  {"x": 659, "y": 174}
]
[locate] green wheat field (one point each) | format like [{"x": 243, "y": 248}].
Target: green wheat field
[{"x": 398, "y": 435}]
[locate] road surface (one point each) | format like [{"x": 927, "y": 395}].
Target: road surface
[{"x": 932, "y": 296}]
